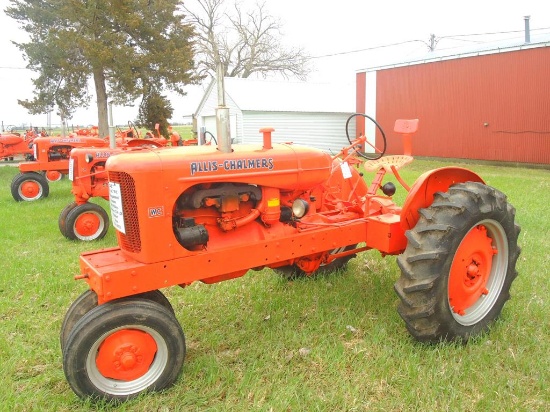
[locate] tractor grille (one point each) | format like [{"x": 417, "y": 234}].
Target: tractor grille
[{"x": 131, "y": 241}]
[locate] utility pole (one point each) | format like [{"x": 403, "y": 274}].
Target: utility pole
[{"x": 433, "y": 43}]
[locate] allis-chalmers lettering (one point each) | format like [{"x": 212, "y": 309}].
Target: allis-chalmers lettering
[{"x": 228, "y": 165}]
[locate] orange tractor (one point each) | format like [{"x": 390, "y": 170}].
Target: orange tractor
[
  {"x": 51, "y": 159},
  {"x": 82, "y": 219},
  {"x": 209, "y": 214},
  {"x": 51, "y": 162},
  {"x": 13, "y": 144}
]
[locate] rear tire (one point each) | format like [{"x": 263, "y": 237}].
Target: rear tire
[
  {"x": 459, "y": 264},
  {"x": 29, "y": 186},
  {"x": 121, "y": 349}
]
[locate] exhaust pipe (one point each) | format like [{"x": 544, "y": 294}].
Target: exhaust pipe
[
  {"x": 527, "y": 30},
  {"x": 222, "y": 117}
]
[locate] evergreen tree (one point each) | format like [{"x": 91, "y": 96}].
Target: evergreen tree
[
  {"x": 154, "y": 109},
  {"x": 128, "y": 48}
]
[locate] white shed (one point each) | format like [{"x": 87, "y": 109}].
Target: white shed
[{"x": 311, "y": 114}]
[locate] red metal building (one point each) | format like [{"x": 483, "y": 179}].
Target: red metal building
[{"x": 491, "y": 105}]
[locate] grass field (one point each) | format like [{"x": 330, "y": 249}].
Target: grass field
[{"x": 260, "y": 343}]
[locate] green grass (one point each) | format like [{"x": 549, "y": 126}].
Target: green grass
[{"x": 333, "y": 343}]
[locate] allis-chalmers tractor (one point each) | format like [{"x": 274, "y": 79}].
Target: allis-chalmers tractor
[
  {"x": 51, "y": 162},
  {"x": 51, "y": 159},
  {"x": 13, "y": 144},
  {"x": 210, "y": 214},
  {"x": 82, "y": 219}
]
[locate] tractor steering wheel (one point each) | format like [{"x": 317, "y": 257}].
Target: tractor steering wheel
[
  {"x": 378, "y": 153},
  {"x": 131, "y": 126}
]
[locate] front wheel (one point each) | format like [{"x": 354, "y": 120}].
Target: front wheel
[
  {"x": 86, "y": 222},
  {"x": 29, "y": 186},
  {"x": 121, "y": 349},
  {"x": 459, "y": 264}
]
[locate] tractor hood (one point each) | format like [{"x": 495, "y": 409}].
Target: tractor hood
[{"x": 286, "y": 166}]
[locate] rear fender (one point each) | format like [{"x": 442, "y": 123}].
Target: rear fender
[{"x": 422, "y": 192}]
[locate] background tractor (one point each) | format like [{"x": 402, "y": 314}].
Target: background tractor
[
  {"x": 51, "y": 162},
  {"x": 51, "y": 158},
  {"x": 13, "y": 144},
  {"x": 82, "y": 219},
  {"x": 209, "y": 214}
]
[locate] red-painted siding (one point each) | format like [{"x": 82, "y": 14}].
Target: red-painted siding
[{"x": 490, "y": 107}]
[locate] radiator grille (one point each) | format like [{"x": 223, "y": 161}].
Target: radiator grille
[{"x": 131, "y": 241}]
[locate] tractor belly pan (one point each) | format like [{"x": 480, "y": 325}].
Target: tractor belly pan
[{"x": 113, "y": 274}]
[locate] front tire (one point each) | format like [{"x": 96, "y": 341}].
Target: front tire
[
  {"x": 121, "y": 349},
  {"x": 86, "y": 222},
  {"x": 88, "y": 300},
  {"x": 62, "y": 219},
  {"x": 459, "y": 264}
]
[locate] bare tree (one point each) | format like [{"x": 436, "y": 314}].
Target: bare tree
[{"x": 244, "y": 42}]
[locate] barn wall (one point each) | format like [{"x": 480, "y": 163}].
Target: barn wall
[
  {"x": 489, "y": 107},
  {"x": 325, "y": 131}
]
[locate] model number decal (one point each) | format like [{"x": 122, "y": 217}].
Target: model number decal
[
  {"x": 156, "y": 211},
  {"x": 229, "y": 165}
]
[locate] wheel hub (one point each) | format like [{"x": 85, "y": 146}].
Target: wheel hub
[
  {"x": 30, "y": 189},
  {"x": 470, "y": 270},
  {"x": 126, "y": 355},
  {"x": 87, "y": 224}
]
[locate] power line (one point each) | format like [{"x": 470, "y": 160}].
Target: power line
[
  {"x": 430, "y": 45},
  {"x": 368, "y": 48}
]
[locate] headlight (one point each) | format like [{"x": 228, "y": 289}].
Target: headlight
[
  {"x": 300, "y": 208},
  {"x": 88, "y": 158}
]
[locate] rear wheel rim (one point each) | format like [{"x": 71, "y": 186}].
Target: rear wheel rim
[{"x": 478, "y": 272}]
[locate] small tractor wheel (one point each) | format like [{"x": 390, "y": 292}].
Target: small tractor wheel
[
  {"x": 88, "y": 300},
  {"x": 62, "y": 220},
  {"x": 87, "y": 221},
  {"x": 459, "y": 264},
  {"x": 29, "y": 186},
  {"x": 53, "y": 175},
  {"x": 291, "y": 272},
  {"x": 123, "y": 348}
]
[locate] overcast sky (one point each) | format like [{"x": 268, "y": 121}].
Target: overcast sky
[{"x": 335, "y": 30}]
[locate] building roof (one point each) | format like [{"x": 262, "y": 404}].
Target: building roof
[
  {"x": 286, "y": 96},
  {"x": 463, "y": 52}
]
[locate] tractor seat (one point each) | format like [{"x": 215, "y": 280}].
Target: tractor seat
[{"x": 386, "y": 163}]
